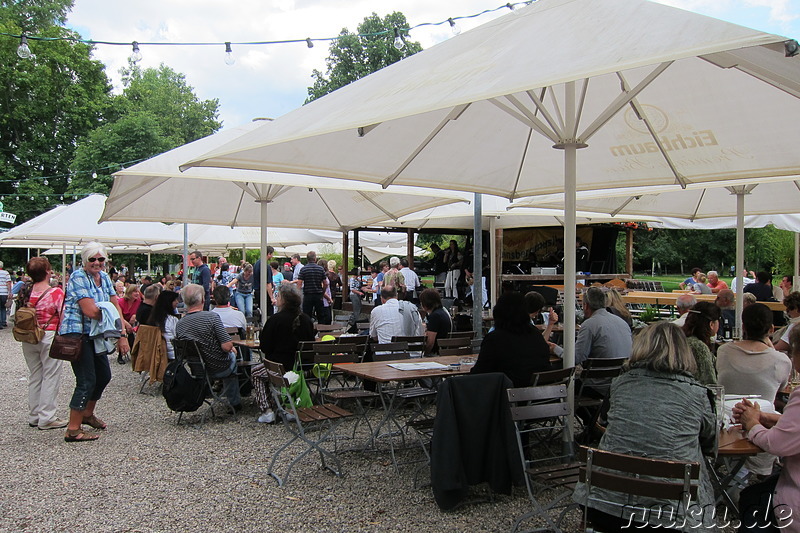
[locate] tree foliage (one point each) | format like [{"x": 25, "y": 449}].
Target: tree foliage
[
  {"x": 49, "y": 101},
  {"x": 355, "y": 55}
]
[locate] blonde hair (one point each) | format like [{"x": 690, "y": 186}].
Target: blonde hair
[
  {"x": 613, "y": 299},
  {"x": 662, "y": 347},
  {"x": 332, "y": 265},
  {"x": 129, "y": 291}
]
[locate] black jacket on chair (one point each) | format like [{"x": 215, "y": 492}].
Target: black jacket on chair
[{"x": 473, "y": 438}]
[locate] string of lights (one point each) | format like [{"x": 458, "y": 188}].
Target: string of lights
[
  {"x": 46, "y": 196},
  {"x": 69, "y": 175},
  {"x": 400, "y": 36}
]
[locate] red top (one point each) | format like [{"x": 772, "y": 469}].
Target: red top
[{"x": 48, "y": 307}]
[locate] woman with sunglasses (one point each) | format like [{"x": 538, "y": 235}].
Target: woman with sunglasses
[{"x": 87, "y": 287}]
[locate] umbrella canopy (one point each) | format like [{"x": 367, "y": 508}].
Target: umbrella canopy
[
  {"x": 77, "y": 224},
  {"x": 670, "y": 96},
  {"x": 696, "y": 202},
  {"x": 157, "y": 190},
  {"x": 784, "y": 222}
]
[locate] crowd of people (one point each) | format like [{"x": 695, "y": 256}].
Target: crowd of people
[{"x": 669, "y": 364}]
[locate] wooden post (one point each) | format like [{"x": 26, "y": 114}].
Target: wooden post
[
  {"x": 410, "y": 248},
  {"x": 629, "y": 251},
  {"x": 498, "y": 259}
]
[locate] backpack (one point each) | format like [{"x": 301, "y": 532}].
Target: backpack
[
  {"x": 26, "y": 325},
  {"x": 181, "y": 390}
]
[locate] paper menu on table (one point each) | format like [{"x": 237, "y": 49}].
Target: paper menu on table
[{"x": 418, "y": 366}]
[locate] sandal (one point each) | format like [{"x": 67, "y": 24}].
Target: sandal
[
  {"x": 94, "y": 422},
  {"x": 78, "y": 435}
]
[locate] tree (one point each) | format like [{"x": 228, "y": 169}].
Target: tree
[
  {"x": 164, "y": 94},
  {"x": 49, "y": 101},
  {"x": 355, "y": 55}
]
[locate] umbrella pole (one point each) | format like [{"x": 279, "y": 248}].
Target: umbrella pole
[
  {"x": 148, "y": 264},
  {"x": 493, "y": 259},
  {"x": 64, "y": 265},
  {"x": 264, "y": 266},
  {"x": 477, "y": 267},
  {"x": 739, "y": 258},
  {"x": 570, "y": 233}
]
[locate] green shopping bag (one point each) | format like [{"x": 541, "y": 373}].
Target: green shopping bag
[{"x": 299, "y": 389}]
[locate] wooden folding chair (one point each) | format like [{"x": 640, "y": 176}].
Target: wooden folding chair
[
  {"x": 594, "y": 401},
  {"x": 455, "y": 342},
  {"x": 322, "y": 419},
  {"x": 531, "y": 408},
  {"x": 390, "y": 351},
  {"x": 675, "y": 481},
  {"x": 553, "y": 377},
  {"x": 461, "y": 335},
  {"x": 464, "y": 350},
  {"x": 416, "y": 344}
]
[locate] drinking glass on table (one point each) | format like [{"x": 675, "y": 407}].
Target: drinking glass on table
[{"x": 719, "y": 402}]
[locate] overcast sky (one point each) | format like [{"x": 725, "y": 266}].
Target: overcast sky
[{"x": 270, "y": 80}]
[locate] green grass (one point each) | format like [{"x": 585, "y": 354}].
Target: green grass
[{"x": 669, "y": 283}]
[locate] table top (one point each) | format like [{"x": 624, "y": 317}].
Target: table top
[
  {"x": 383, "y": 373},
  {"x": 246, "y": 344},
  {"x": 733, "y": 442},
  {"x": 669, "y": 298}
]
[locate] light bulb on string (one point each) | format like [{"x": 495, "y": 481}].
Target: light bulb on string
[
  {"x": 94, "y": 175},
  {"x": 17, "y": 198},
  {"x": 23, "y": 50},
  {"x": 31, "y": 197},
  {"x": 46, "y": 198},
  {"x": 46, "y": 182},
  {"x": 309, "y": 42},
  {"x": 454, "y": 27},
  {"x": 399, "y": 40},
  {"x": 69, "y": 180},
  {"x": 510, "y": 6},
  {"x": 61, "y": 197},
  {"x": 229, "y": 59},
  {"x": 136, "y": 54}
]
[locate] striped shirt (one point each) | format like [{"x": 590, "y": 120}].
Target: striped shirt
[
  {"x": 82, "y": 286},
  {"x": 5, "y": 282},
  {"x": 313, "y": 277},
  {"x": 206, "y": 329}
]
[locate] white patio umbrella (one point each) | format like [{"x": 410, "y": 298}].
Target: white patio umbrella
[
  {"x": 650, "y": 95},
  {"x": 157, "y": 190}
]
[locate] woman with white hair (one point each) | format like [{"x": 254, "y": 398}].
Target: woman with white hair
[{"x": 88, "y": 286}]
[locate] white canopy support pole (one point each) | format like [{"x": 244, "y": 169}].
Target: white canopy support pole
[
  {"x": 29, "y": 254},
  {"x": 74, "y": 258},
  {"x": 244, "y": 252},
  {"x": 64, "y": 265},
  {"x": 739, "y": 258},
  {"x": 493, "y": 266},
  {"x": 149, "y": 272},
  {"x": 264, "y": 266},
  {"x": 570, "y": 146},
  {"x": 796, "y": 279},
  {"x": 477, "y": 267},
  {"x": 185, "y": 279}
]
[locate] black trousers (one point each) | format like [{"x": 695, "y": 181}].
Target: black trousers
[{"x": 756, "y": 506}]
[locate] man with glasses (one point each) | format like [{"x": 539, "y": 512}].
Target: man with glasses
[{"x": 202, "y": 276}]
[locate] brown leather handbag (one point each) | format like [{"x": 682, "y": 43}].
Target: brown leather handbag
[{"x": 66, "y": 347}]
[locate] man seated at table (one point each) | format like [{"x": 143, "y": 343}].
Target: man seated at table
[
  {"x": 745, "y": 280},
  {"x": 394, "y": 318},
  {"x": 150, "y": 296},
  {"x": 762, "y": 288},
  {"x": 602, "y": 335},
  {"x": 231, "y": 318},
  {"x": 683, "y": 304},
  {"x": 214, "y": 343},
  {"x": 726, "y": 301},
  {"x": 714, "y": 283}
]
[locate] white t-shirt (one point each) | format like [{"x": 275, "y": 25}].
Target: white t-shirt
[{"x": 231, "y": 318}]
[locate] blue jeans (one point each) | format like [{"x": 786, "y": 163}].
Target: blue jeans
[
  {"x": 244, "y": 302},
  {"x": 355, "y": 299},
  {"x": 92, "y": 375},
  {"x": 3, "y": 317},
  {"x": 230, "y": 381}
]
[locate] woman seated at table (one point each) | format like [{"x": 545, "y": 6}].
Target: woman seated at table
[
  {"x": 616, "y": 306},
  {"x": 752, "y": 366},
  {"x": 701, "y": 326},
  {"x": 279, "y": 340},
  {"x": 164, "y": 318},
  {"x": 658, "y": 410},
  {"x": 515, "y": 347},
  {"x": 776, "y": 500}
]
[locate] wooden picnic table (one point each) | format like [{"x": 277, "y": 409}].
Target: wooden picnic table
[
  {"x": 670, "y": 298},
  {"x": 381, "y": 372}
]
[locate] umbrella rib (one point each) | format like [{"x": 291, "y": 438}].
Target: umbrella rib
[
  {"x": 726, "y": 60},
  {"x": 581, "y": 103},
  {"x": 796, "y": 184},
  {"x": 621, "y": 101},
  {"x": 697, "y": 207},
  {"x": 540, "y": 107},
  {"x": 529, "y": 120},
  {"x": 239, "y": 203},
  {"x": 643, "y": 116},
  {"x": 454, "y": 114},
  {"x": 559, "y": 114},
  {"x": 622, "y": 206},
  {"x": 377, "y": 206},
  {"x": 522, "y": 163},
  {"x": 341, "y": 226}
]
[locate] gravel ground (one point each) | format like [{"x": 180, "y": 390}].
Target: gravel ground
[{"x": 146, "y": 474}]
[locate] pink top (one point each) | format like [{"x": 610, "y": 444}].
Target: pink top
[
  {"x": 783, "y": 440},
  {"x": 129, "y": 308},
  {"x": 48, "y": 307}
]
